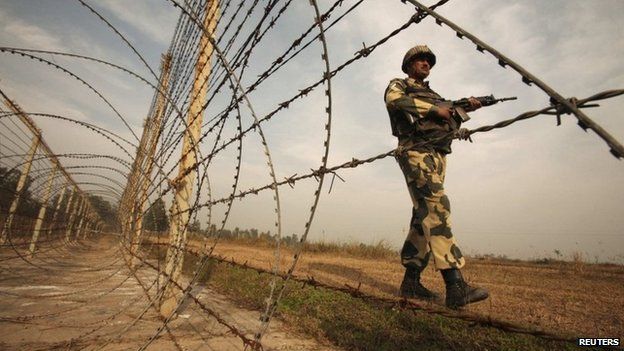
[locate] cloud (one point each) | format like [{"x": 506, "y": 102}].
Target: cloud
[
  {"x": 17, "y": 32},
  {"x": 147, "y": 19}
]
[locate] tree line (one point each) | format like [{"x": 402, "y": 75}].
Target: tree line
[
  {"x": 29, "y": 205},
  {"x": 156, "y": 219}
]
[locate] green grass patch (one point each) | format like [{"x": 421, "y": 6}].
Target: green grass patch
[{"x": 356, "y": 324}]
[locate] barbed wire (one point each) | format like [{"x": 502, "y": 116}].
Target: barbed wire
[
  {"x": 353, "y": 163},
  {"x": 566, "y": 105},
  {"x": 388, "y": 302},
  {"x": 147, "y": 176}
]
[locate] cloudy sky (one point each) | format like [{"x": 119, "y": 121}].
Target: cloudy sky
[{"x": 523, "y": 191}]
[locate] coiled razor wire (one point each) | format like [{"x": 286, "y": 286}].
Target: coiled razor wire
[{"x": 232, "y": 61}]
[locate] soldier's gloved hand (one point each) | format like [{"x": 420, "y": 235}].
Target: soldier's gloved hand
[
  {"x": 464, "y": 134},
  {"x": 474, "y": 104}
]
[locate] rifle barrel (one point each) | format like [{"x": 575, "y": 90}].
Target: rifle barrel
[{"x": 508, "y": 98}]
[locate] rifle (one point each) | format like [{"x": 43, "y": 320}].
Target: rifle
[{"x": 459, "y": 106}]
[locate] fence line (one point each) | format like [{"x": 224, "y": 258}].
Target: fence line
[{"x": 202, "y": 85}]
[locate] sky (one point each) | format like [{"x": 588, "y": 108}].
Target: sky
[{"x": 526, "y": 191}]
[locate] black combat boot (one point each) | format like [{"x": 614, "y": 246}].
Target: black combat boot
[
  {"x": 458, "y": 292},
  {"x": 411, "y": 287}
]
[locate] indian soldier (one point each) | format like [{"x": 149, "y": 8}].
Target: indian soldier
[{"x": 422, "y": 127}]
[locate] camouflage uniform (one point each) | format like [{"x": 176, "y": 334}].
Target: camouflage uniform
[{"x": 414, "y": 119}]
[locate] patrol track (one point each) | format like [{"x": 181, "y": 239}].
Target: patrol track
[{"x": 137, "y": 181}]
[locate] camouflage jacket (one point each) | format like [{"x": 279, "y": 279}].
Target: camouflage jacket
[{"x": 414, "y": 116}]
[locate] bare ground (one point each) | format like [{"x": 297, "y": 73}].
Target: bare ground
[{"x": 84, "y": 297}]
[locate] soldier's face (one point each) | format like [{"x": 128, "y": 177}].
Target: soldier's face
[{"x": 420, "y": 68}]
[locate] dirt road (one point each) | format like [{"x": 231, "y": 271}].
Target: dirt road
[{"x": 84, "y": 297}]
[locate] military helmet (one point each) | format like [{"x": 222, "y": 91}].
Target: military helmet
[{"x": 418, "y": 50}]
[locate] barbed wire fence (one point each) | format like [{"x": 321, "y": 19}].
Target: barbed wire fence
[{"x": 202, "y": 108}]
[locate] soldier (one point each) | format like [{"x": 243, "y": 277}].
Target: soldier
[{"x": 421, "y": 127}]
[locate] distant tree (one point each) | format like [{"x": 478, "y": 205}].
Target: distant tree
[
  {"x": 225, "y": 234},
  {"x": 266, "y": 236},
  {"x": 107, "y": 212},
  {"x": 195, "y": 227},
  {"x": 155, "y": 219},
  {"x": 8, "y": 184}
]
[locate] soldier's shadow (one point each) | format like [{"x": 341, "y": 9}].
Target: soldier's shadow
[{"x": 355, "y": 275}]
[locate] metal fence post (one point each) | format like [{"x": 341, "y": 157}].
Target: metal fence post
[
  {"x": 152, "y": 134},
  {"x": 81, "y": 217},
  {"x": 72, "y": 214},
  {"x": 42, "y": 212},
  {"x": 57, "y": 210},
  {"x": 6, "y": 228},
  {"x": 180, "y": 213}
]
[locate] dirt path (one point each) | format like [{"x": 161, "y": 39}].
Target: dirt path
[
  {"x": 84, "y": 297},
  {"x": 568, "y": 299}
]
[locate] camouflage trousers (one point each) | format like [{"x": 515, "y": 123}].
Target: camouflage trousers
[{"x": 430, "y": 227}]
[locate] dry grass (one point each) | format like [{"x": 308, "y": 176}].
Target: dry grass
[
  {"x": 568, "y": 298},
  {"x": 578, "y": 262},
  {"x": 380, "y": 249},
  {"x": 357, "y": 324}
]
